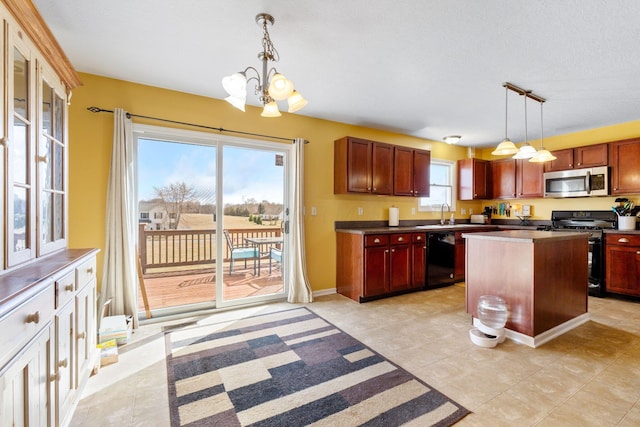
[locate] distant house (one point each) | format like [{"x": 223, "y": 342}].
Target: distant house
[{"x": 154, "y": 214}]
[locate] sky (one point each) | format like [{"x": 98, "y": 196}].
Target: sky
[{"x": 248, "y": 173}]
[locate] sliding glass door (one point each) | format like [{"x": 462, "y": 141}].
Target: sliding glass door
[{"x": 211, "y": 215}]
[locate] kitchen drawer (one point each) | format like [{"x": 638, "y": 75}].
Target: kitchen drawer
[
  {"x": 85, "y": 272},
  {"x": 398, "y": 239},
  {"x": 18, "y": 326},
  {"x": 622, "y": 239},
  {"x": 419, "y": 237},
  {"x": 65, "y": 288},
  {"x": 376, "y": 240}
]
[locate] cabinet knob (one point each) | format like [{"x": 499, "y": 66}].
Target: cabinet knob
[
  {"x": 623, "y": 240},
  {"x": 42, "y": 159},
  {"x": 90, "y": 270},
  {"x": 393, "y": 250},
  {"x": 54, "y": 377},
  {"x": 400, "y": 239},
  {"x": 82, "y": 335},
  {"x": 579, "y": 164},
  {"x": 374, "y": 188},
  {"x": 33, "y": 318},
  {"x": 3, "y": 141},
  {"x": 637, "y": 252},
  {"x": 376, "y": 240},
  {"x": 69, "y": 288},
  {"x": 62, "y": 363},
  {"x": 419, "y": 238}
]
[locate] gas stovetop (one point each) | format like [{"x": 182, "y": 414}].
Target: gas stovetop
[{"x": 592, "y": 221}]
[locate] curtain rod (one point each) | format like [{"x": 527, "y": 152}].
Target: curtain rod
[{"x": 129, "y": 115}]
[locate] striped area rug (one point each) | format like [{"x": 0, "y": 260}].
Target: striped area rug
[{"x": 292, "y": 368}]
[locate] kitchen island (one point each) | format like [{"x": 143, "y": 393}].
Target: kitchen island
[{"x": 542, "y": 275}]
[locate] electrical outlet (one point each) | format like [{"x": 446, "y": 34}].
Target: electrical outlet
[
  {"x": 470, "y": 211},
  {"x": 413, "y": 211},
  {"x": 463, "y": 211},
  {"x": 313, "y": 211},
  {"x": 360, "y": 211}
]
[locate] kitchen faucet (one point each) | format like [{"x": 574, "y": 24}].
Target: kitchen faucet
[{"x": 442, "y": 212}]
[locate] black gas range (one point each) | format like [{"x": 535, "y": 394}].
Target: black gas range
[{"x": 594, "y": 223}]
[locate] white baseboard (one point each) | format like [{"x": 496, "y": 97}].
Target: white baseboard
[
  {"x": 546, "y": 336},
  {"x": 322, "y": 292}
]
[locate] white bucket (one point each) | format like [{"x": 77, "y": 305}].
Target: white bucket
[{"x": 626, "y": 223}]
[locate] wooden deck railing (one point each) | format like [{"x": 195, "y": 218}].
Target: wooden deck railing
[{"x": 177, "y": 248}]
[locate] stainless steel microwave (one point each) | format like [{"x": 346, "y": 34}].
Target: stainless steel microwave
[{"x": 577, "y": 182}]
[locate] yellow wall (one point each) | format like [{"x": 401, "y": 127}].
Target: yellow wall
[{"x": 90, "y": 152}]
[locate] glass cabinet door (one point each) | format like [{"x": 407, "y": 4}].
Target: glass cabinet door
[
  {"x": 20, "y": 208},
  {"x": 51, "y": 169}
]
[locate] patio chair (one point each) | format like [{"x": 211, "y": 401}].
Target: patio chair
[
  {"x": 241, "y": 253},
  {"x": 275, "y": 254}
]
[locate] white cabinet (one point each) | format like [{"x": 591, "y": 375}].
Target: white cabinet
[
  {"x": 47, "y": 337},
  {"x": 33, "y": 136},
  {"x": 24, "y": 384}
]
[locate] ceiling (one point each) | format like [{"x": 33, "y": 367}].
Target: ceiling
[{"x": 426, "y": 68}]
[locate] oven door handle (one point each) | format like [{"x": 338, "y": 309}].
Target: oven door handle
[{"x": 587, "y": 182}]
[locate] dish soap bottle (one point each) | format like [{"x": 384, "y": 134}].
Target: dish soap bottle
[{"x": 452, "y": 220}]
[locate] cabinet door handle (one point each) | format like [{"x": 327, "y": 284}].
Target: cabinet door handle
[
  {"x": 623, "y": 240},
  {"x": 81, "y": 335},
  {"x": 69, "y": 288},
  {"x": 62, "y": 363},
  {"x": 33, "y": 318}
]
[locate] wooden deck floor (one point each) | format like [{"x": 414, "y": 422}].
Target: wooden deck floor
[{"x": 188, "y": 287}]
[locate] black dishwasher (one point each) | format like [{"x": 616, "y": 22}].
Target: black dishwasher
[{"x": 440, "y": 259}]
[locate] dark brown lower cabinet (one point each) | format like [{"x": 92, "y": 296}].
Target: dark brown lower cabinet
[
  {"x": 378, "y": 265},
  {"x": 622, "y": 264}
]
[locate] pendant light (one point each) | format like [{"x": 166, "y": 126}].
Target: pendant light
[
  {"x": 526, "y": 151},
  {"x": 543, "y": 155},
  {"x": 506, "y": 147}
]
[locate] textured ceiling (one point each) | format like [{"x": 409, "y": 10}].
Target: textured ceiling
[{"x": 421, "y": 67}]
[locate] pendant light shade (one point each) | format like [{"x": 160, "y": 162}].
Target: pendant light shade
[
  {"x": 525, "y": 152},
  {"x": 506, "y": 147}
]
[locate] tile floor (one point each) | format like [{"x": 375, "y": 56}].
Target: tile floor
[{"x": 589, "y": 376}]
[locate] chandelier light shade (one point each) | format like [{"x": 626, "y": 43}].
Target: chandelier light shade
[
  {"x": 542, "y": 155},
  {"x": 506, "y": 147},
  {"x": 271, "y": 86}
]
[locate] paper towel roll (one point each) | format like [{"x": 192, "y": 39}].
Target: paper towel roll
[{"x": 394, "y": 216}]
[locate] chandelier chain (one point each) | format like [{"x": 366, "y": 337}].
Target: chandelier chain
[{"x": 268, "y": 48}]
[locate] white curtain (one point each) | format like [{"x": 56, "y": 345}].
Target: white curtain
[
  {"x": 119, "y": 279},
  {"x": 299, "y": 289}
]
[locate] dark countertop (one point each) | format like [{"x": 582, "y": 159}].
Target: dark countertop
[{"x": 430, "y": 228}]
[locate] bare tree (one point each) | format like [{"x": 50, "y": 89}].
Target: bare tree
[{"x": 174, "y": 197}]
